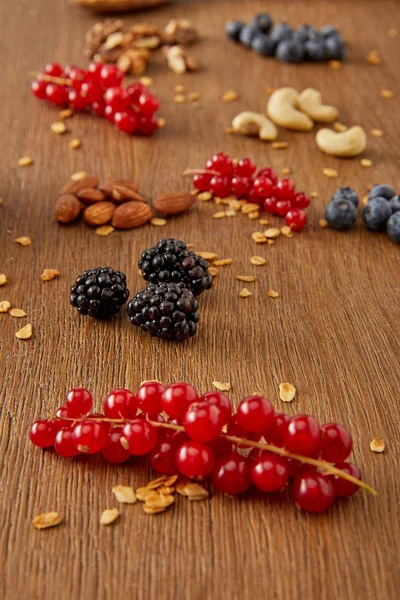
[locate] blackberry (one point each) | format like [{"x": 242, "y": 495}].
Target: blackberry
[
  {"x": 99, "y": 292},
  {"x": 165, "y": 310},
  {"x": 171, "y": 262}
]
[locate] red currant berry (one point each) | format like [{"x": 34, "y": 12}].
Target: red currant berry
[
  {"x": 336, "y": 443},
  {"x": 245, "y": 167},
  {"x": 269, "y": 174},
  {"x": 342, "y": 487},
  {"x": 113, "y": 451},
  {"x": 221, "y": 446},
  {"x": 269, "y": 472},
  {"x": 220, "y": 186},
  {"x": 109, "y": 114},
  {"x": 78, "y": 402},
  {"x": 149, "y": 397},
  {"x": 94, "y": 70},
  {"x": 139, "y": 436},
  {"x": 194, "y": 459},
  {"x": 303, "y": 435},
  {"x": 147, "y": 104},
  {"x": 76, "y": 101},
  {"x": 64, "y": 445},
  {"x": 53, "y": 69},
  {"x": 120, "y": 404},
  {"x": 270, "y": 205},
  {"x": 111, "y": 76},
  {"x": 282, "y": 207},
  {"x": 203, "y": 422},
  {"x": 232, "y": 474},
  {"x": 241, "y": 185},
  {"x": 254, "y": 198},
  {"x": 39, "y": 89},
  {"x": 177, "y": 398},
  {"x": 147, "y": 124},
  {"x": 221, "y": 401},
  {"x": 42, "y": 433},
  {"x": 201, "y": 181},
  {"x": 275, "y": 433},
  {"x": 76, "y": 75},
  {"x": 300, "y": 200},
  {"x": 296, "y": 219},
  {"x": 162, "y": 458},
  {"x": 255, "y": 414},
  {"x": 56, "y": 94},
  {"x": 127, "y": 121},
  {"x": 134, "y": 91},
  {"x": 285, "y": 189},
  {"x": 263, "y": 186},
  {"x": 89, "y": 436},
  {"x": 91, "y": 91},
  {"x": 99, "y": 108},
  {"x": 222, "y": 163},
  {"x": 234, "y": 428},
  {"x": 313, "y": 492},
  {"x": 62, "y": 415},
  {"x": 117, "y": 98}
]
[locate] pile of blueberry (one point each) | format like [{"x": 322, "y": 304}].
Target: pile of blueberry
[
  {"x": 285, "y": 43},
  {"x": 382, "y": 211}
]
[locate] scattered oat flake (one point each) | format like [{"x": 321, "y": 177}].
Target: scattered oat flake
[
  {"x": 286, "y": 231},
  {"x": 335, "y": 64},
  {"x": 364, "y": 200},
  {"x": 25, "y": 333},
  {"x": 253, "y": 215},
  {"x": 3, "y": 279},
  {"x": 142, "y": 493},
  {"x": 331, "y": 173},
  {"x": 193, "y": 96},
  {"x": 264, "y": 222},
  {"x": 387, "y": 94},
  {"x": 221, "y": 387},
  {"x": 279, "y": 145},
  {"x": 66, "y": 113},
  {"x": 285, "y": 171},
  {"x": 257, "y": 261},
  {"x": 213, "y": 271},
  {"x": 245, "y": 293},
  {"x": 377, "y": 445},
  {"x": 272, "y": 294},
  {"x": 314, "y": 195},
  {"x": 231, "y": 213},
  {"x": 287, "y": 392},
  {"x": 179, "y": 89},
  {"x": 157, "y": 222},
  {"x": 272, "y": 232},
  {"x": 210, "y": 256},
  {"x": 392, "y": 32},
  {"x": 195, "y": 491},
  {"x": 58, "y": 127},
  {"x": 223, "y": 262},
  {"x": 230, "y": 96},
  {"x": 75, "y": 143},
  {"x": 246, "y": 278},
  {"x": 45, "y": 520},
  {"x": 339, "y": 127},
  {"x": 161, "y": 122},
  {"x": 4, "y": 306},
  {"x": 124, "y": 494},
  {"x": 18, "y": 313},
  {"x": 156, "y": 483},
  {"x": 219, "y": 215},
  {"x": 147, "y": 81},
  {"x": 179, "y": 99},
  {"x": 78, "y": 175},
  {"x": 25, "y": 161},
  {"x": 366, "y": 162},
  {"x": 249, "y": 208},
  {"x": 205, "y": 196},
  {"x": 377, "y": 132},
  {"x": 323, "y": 223},
  {"x": 270, "y": 242},
  {"x": 171, "y": 479},
  {"x": 108, "y": 516},
  {"x": 104, "y": 230},
  {"x": 258, "y": 237},
  {"x": 374, "y": 58},
  {"x": 23, "y": 241},
  {"x": 49, "y": 274}
]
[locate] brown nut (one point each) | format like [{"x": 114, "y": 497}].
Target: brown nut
[
  {"x": 76, "y": 186},
  {"x": 121, "y": 193},
  {"x": 68, "y": 208},
  {"x": 99, "y": 213},
  {"x": 173, "y": 203},
  {"x": 90, "y": 195},
  {"x": 107, "y": 188},
  {"x": 131, "y": 214}
]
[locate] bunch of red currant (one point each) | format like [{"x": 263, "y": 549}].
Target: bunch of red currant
[
  {"x": 200, "y": 437},
  {"x": 98, "y": 90},
  {"x": 224, "y": 177}
]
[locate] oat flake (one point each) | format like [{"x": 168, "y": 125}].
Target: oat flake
[
  {"x": 78, "y": 175},
  {"x": 272, "y": 294},
  {"x": 3, "y": 279},
  {"x": 221, "y": 387},
  {"x": 287, "y": 392},
  {"x": 104, "y": 230},
  {"x": 108, "y": 516},
  {"x": 45, "y": 520},
  {"x": 245, "y": 293},
  {"x": 257, "y": 261},
  {"x": 377, "y": 445},
  {"x": 18, "y": 313},
  {"x": 49, "y": 274},
  {"x": 4, "y": 306},
  {"x": 124, "y": 494},
  {"x": 23, "y": 241}
]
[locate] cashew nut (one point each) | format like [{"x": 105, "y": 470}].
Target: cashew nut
[
  {"x": 282, "y": 110},
  {"x": 251, "y": 123},
  {"x": 348, "y": 143},
  {"x": 310, "y": 102}
]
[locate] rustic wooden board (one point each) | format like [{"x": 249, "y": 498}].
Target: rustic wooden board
[{"x": 333, "y": 332}]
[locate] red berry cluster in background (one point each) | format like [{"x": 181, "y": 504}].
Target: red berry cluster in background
[
  {"x": 224, "y": 177},
  {"x": 201, "y": 437},
  {"x": 98, "y": 90}
]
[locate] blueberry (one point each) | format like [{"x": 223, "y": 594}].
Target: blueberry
[
  {"x": 395, "y": 203},
  {"x": 341, "y": 215},
  {"x": 383, "y": 190},
  {"x": 247, "y": 33},
  {"x": 281, "y": 32},
  {"x": 376, "y": 213},
  {"x": 263, "y": 21},
  {"x": 393, "y": 227},
  {"x": 233, "y": 29},
  {"x": 335, "y": 48},
  {"x": 314, "y": 50},
  {"x": 290, "y": 51},
  {"x": 328, "y": 31},
  {"x": 263, "y": 44},
  {"x": 303, "y": 33},
  {"x": 345, "y": 193}
]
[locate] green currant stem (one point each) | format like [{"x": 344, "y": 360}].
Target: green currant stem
[
  {"x": 50, "y": 78},
  {"x": 190, "y": 172}
]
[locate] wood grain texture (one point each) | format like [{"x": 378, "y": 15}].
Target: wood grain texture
[{"x": 333, "y": 332}]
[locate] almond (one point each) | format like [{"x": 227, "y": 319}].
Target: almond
[
  {"x": 77, "y": 186},
  {"x": 173, "y": 203},
  {"x": 99, "y": 213},
  {"x": 131, "y": 214},
  {"x": 121, "y": 193},
  {"x": 107, "y": 188},
  {"x": 90, "y": 195},
  {"x": 68, "y": 208}
]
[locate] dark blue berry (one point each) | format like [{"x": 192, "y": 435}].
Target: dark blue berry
[
  {"x": 314, "y": 50},
  {"x": 345, "y": 193},
  {"x": 393, "y": 227},
  {"x": 290, "y": 51},
  {"x": 395, "y": 203},
  {"x": 263, "y": 21},
  {"x": 376, "y": 213},
  {"x": 282, "y": 31},
  {"x": 263, "y": 44},
  {"x": 303, "y": 33},
  {"x": 341, "y": 214},
  {"x": 247, "y": 33},
  {"x": 328, "y": 31},
  {"x": 233, "y": 29},
  {"x": 382, "y": 190},
  {"x": 335, "y": 48}
]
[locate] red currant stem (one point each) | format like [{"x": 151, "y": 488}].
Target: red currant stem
[
  {"x": 190, "y": 172},
  {"x": 50, "y": 78}
]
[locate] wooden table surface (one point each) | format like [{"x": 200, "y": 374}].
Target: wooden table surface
[{"x": 333, "y": 332}]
